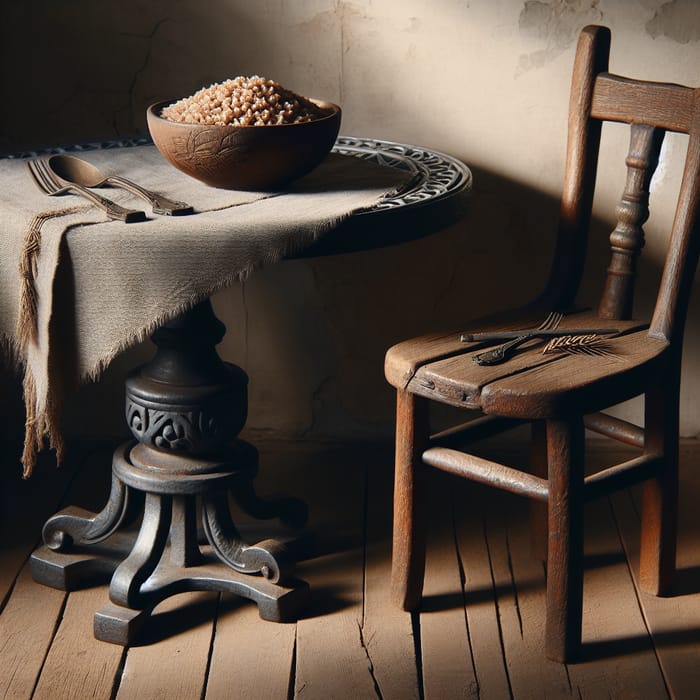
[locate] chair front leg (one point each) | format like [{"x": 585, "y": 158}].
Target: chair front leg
[
  {"x": 657, "y": 560},
  {"x": 408, "y": 556},
  {"x": 565, "y": 455}
]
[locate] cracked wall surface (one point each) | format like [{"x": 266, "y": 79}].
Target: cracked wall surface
[
  {"x": 484, "y": 80},
  {"x": 556, "y": 24},
  {"x": 677, "y": 20}
]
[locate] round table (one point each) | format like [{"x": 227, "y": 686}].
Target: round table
[{"x": 185, "y": 408}]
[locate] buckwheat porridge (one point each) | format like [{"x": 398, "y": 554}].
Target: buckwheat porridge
[{"x": 243, "y": 101}]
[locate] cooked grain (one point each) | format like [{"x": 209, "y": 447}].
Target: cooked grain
[{"x": 243, "y": 101}]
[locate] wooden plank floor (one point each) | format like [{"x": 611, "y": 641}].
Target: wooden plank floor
[{"x": 478, "y": 635}]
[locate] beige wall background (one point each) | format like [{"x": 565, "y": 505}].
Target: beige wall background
[{"x": 484, "y": 80}]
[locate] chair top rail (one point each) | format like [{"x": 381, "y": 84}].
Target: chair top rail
[{"x": 666, "y": 105}]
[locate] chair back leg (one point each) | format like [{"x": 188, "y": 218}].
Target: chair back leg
[{"x": 657, "y": 558}]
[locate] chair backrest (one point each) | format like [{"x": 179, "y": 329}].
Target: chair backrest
[{"x": 652, "y": 109}]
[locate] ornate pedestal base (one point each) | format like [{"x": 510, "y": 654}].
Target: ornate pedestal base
[{"x": 185, "y": 409}]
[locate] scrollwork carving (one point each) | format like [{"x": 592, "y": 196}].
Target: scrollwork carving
[{"x": 191, "y": 431}]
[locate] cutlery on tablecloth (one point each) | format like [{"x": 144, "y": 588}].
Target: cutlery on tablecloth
[
  {"x": 80, "y": 172},
  {"x": 47, "y": 182}
]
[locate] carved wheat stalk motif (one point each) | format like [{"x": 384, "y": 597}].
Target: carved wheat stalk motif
[{"x": 591, "y": 344}]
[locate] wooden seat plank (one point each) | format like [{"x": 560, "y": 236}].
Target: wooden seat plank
[{"x": 578, "y": 383}]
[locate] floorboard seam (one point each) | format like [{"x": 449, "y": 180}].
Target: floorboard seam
[
  {"x": 293, "y": 667},
  {"x": 118, "y": 675},
  {"x": 59, "y": 620},
  {"x": 501, "y": 641},
  {"x": 463, "y": 584},
  {"x": 370, "y": 664},
  {"x": 12, "y": 586},
  {"x": 637, "y": 595},
  {"x": 210, "y": 653},
  {"x": 363, "y": 619},
  {"x": 511, "y": 573},
  {"x": 418, "y": 651}
]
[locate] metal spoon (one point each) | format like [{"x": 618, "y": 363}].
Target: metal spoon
[{"x": 80, "y": 172}]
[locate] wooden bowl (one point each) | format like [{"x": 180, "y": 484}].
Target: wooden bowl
[{"x": 245, "y": 157}]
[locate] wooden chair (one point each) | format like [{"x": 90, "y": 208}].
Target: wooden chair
[{"x": 562, "y": 393}]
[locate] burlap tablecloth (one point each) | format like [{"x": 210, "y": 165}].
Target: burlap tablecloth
[{"x": 77, "y": 289}]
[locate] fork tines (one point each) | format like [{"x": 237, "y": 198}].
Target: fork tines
[{"x": 41, "y": 175}]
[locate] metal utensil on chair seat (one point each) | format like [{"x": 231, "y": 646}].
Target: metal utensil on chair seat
[
  {"x": 501, "y": 352},
  {"x": 536, "y": 333}
]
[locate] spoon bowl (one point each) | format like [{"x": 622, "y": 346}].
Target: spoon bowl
[{"x": 80, "y": 172}]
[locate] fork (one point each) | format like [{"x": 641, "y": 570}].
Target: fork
[
  {"x": 501, "y": 352},
  {"x": 47, "y": 182}
]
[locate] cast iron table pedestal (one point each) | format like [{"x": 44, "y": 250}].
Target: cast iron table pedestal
[{"x": 185, "y": 409}]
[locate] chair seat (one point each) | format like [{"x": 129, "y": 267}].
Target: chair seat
[{"x": 531, "y": 384}]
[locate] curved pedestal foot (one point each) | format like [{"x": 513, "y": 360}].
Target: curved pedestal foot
[
  {"x": 82, "y": 567},
  {"x": 118, "y": 625},
  {"x": 276, "y": 603},
  {"x": 269, "y": 558},
  {"x": 165, "y": 557},
  {"x": 78, "y": 526},
  {"x": 75, "y": 553}
]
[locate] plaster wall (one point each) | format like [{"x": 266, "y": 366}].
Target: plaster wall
[{"x": 484, "y": 80}]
